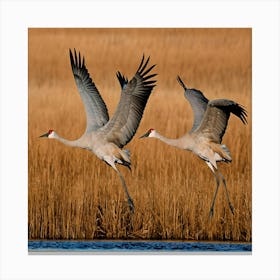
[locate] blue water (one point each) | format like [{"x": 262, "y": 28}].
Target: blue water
[{"x": 136, "y": 246}]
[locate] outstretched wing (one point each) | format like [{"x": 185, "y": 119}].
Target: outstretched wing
[
  {"x": 125, "y": 121},
  {"x": 96, "y": 110},
  {"x": 214, "y": 123},
  {"x": 198, "y": 103}
]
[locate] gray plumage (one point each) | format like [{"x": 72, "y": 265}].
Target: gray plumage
[
  {"x": 205, "y": 137},
  {"x": 215, "y": 120},
  {"x": 198, "y": 103},
  {"x": 104, "y": 137},
  {"x": 96, "y": 110},
  {"x": 124, "y": 123}
]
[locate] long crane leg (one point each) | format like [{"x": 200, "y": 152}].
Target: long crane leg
[
  {"x": 111, "y": 162},
  {"x": 129, "y": 199},
  {"x": 227, "y": 194},
  {"x": 216, "y": 191}
]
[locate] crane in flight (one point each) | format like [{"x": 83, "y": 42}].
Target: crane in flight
[
  {"x": 205, "y": 137},
  {"x": 106, "y": 138}
]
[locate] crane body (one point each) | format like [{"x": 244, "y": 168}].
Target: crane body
[
  {"x": 103, "y": 136},
  {"x": 205, "y": 137}
]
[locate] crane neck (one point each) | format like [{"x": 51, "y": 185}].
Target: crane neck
[
  {"x": 172, "y": 142},
  {"x": 71, "y": 143}
]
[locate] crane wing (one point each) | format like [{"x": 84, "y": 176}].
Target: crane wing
[
  {"x": 214, "y": 123},
  {"x": 134, "y": 96},
  {"x": 198, "y": 103},
  {"x": 96, "y": 110}
]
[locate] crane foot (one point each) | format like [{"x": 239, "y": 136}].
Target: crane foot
[{"x": 211, "y": 213}]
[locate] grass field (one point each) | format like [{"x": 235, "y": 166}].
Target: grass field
[{"x": 73, "y": 195}]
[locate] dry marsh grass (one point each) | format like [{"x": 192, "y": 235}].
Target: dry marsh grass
[{"x": 73, "y": 195}]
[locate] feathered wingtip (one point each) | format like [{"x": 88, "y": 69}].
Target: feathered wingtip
[
  {"x": 240, "y": 112},
  {"x": 122, "y": 79},
  {"x": 76, "y": 60},
  {"x": 181, "y": 82},
  {"x": 230, "y": 106},
  {"x": 142, "y": 71}
]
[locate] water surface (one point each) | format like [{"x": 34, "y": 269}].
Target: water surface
[{"x": 136, "y": 246}]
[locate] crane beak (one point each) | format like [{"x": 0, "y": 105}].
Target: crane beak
[
  {"x": 45, "y": 135},
  {"x": 145, "y": 135}
]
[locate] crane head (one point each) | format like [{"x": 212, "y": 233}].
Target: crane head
[
  {"x": 49, "y": 134},
  {"x": 149, "y": 133}
]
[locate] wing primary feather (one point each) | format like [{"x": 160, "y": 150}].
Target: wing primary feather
[
  {"x": 144, "y": 66},
  {"x": 141, "y": 63},
  {"x": 71, "y": 59},
  {"x": 149, "y": 82},
  {"x": 232, "y": 107},
  {"x": 148, "y": 70},
  {"x": 78, "y": 60},
  {"x": 150, "y": 76},
  {"x": 181, "y": 82},
  {"x": 122, "y": 79},
  {"x": 96, "y": 110},
  {"x": 75, "y": 60},
  {"x": 123, "y": 125},
  {"x": 240, "y": 112},
  {"x": 214, "y": 123},
  {"x": 197, "y": 101}
]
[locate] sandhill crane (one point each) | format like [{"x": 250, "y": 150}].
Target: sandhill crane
[
  {"x": 104, "y": 137},
  {"x": 205, "y": 137}
]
